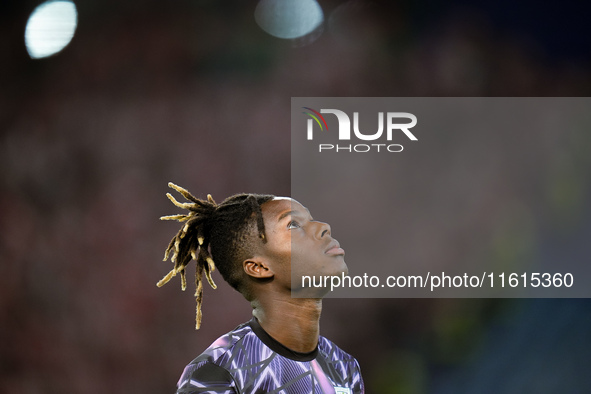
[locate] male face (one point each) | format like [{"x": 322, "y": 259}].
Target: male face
[{"x": 299, "y": 245}]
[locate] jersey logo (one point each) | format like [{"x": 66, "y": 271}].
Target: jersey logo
[{"x": 342, "y": 390}]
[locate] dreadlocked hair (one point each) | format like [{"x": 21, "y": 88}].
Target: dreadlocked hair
[{"x": 214, "y": 234}]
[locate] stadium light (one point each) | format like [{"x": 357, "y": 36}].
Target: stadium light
[
  {"x": 50, "y": 28},
  {"x": 289, "y": 19}
]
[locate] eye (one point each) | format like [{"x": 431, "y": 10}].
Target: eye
[{"x": 293, "y": 224}]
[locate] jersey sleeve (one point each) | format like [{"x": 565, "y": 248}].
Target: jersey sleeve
[
  {"x": 360, "y": 385},
  {"x": 206, "y": 377}
]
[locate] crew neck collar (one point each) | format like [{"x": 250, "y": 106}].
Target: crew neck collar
[{"x": 277, "y": 346}]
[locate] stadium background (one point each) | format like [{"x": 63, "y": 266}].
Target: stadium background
[{"x": 196, "y": 93}]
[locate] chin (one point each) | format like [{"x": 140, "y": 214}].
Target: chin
[
  {"x": 343, "y": 269},
  {"x": 310, "y": 292},
  {"x": 337, "y": 267}
]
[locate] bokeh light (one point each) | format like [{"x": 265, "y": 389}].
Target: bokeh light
[
  {"x": 289, "y": 19},
  {"x": 50, "y": 28}
]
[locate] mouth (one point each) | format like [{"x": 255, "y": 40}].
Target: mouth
[{"x": 334, "y": 249}]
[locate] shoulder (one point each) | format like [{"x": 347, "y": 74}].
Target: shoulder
[
  {"x": 210, "y": 371},
  {"x": 342, "y": 365},
  {"x": 206, "y": 377},
  {"x": 332, "y": 352},
  {"x": 226, "y": 345}
]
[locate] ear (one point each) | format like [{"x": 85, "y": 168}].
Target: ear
[{"x": 257, "y": 267}]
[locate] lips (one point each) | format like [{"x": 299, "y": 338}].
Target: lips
[{"x": 334, "y": 249}]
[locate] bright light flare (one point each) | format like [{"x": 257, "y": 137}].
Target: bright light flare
[
  {"x": 50, "y": 28},
  {"x": 289, "y": 19}
]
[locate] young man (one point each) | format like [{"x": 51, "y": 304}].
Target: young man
[{"x": 256, "y": 241}]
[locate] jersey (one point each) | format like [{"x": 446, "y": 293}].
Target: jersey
[{"x": 248, "y": 360}]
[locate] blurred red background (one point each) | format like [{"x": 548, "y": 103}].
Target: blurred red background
[{"x": 196, "y": 93}]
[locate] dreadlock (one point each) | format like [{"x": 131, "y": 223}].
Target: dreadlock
[{"x": 222, "y": 230}]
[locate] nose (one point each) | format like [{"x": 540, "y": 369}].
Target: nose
[{"x": 323, "y": 229}]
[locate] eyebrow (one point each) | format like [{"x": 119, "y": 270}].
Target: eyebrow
[
  {"x": 288, "y": 213},
  {"x": 285, "y": 214}
]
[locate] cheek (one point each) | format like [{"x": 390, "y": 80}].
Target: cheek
[
  {"x": 299, "y": 255},
  {"x": 282, "y": 244},
  {"x": 306, "y": 261},
  {"x": 279, "y": 247}
]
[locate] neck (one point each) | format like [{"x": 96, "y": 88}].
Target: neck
[{"x": 293, "y": 322}]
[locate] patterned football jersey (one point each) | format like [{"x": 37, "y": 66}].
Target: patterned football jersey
[{"x": 248, "y": 360}]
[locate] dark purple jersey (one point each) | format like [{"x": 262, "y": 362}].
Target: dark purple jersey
[{"x": 248, "y": 360}]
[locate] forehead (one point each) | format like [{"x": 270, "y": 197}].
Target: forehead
[{"x": 274, "y": 209}]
